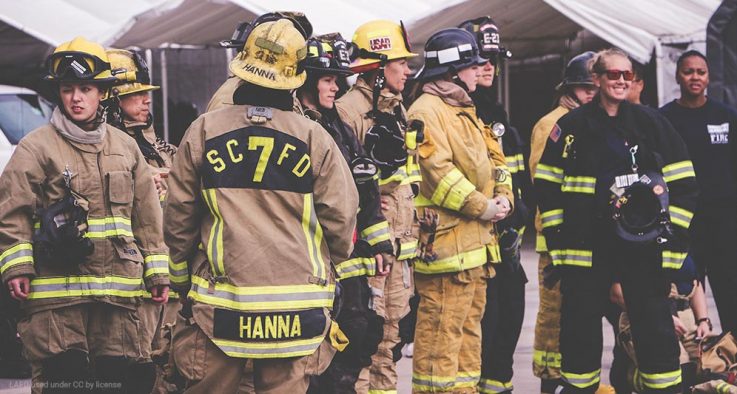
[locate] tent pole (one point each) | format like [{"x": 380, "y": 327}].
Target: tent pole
[
  {"x": 659, "y": 72},
  {"x": 164, "y": 93},
  {"x": 505, "y": 85}
]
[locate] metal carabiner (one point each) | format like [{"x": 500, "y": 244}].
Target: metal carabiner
[{"x": 633, "y": 151}]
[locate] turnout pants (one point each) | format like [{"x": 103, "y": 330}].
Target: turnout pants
[
  {"x": 546, "y": 353},
  {"x": 501, "y": 327},
  {"x": 585, "y": 297},
  {"x": 447, "y": 354}
]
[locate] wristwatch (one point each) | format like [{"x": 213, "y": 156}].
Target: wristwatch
[{"x": 707, "y": 320}]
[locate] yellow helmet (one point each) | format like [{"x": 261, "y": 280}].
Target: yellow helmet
[
  {"x": 79, "y": 60},
  {"x": 380, "y": 37},
  {"x": 131, "y": 72},
  {"x": 271, "y": 56}
]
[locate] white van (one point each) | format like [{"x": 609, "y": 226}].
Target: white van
[{"x": 21, "y": 111}]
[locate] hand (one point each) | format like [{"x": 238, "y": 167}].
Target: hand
[
  {"x": 20, "y": 287},
  {"x": 503, "y": 204},
  {"x": 703, "y": 330},
  {"x": 160, "y": 294},
  {"x": 678, "y": 325},
  {"x": 159, "y": 182},
  {"x": 384, "y": 204},
  {"x": 381, "y": 269}
]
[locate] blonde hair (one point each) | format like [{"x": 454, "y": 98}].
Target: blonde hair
[{"x": 597, "y": 64}]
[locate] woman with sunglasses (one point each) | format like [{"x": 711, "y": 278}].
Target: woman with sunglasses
[
  {"x": 327, "y": 65},
  {"x": 593, "y": 155},
  {"x": 82, "y": 240}
]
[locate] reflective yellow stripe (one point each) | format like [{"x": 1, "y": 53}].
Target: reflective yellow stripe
[
  {"x": 679, "y": 170},
  {"x": 178, "y": 272},
  {"x": 673, "y": 260},
  {"x": 459, "y": 262},
  {"x": 724, "y": 388},
  {"x": 495, "y": 253},
  {"x": 422, "y": 201},
  {"x": 85, "y": 286},
  {"x": 579, "y": 184},
  {"x": 507, "y": 179},
  {"x": 491, "y": 386},
  {"x": 407, "y": 250},
  {"x": 376, "y": 233},
  {"x": 19, "y": 253},
  {"x": 660, "y": 380},
  {"x": 581, "y": 380},
  {"x": 109, "y": 227},
  {"x": 515, "y": 163},
  {"x": 215, "y": 249},
  {"x": 579, "y": 258},
  {"x": 313, "y": 234},
  {"x": 281, "y": 349},
  {"x": 375, "y": 391},
  {"x": 540, "y": 244},
  {"x": 549, "y": 173},
  {"x": 552, "y": 218},
  {"x": 413, "y": 172},
  {"x": 546, "y": 359},
  {"x": 359, "y": 266},
  {"x": 432, "y": 383},
  {"x": 251, "y": 298},
  {"x": 452, "y": 190},
  {"x": 155, "y": 264},
  {"x": 467, "y": 379},
  {"x": 680, "y": 216},
  {"x": 410, "y": 139}
]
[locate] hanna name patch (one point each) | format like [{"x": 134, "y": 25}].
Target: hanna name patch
[{"x": 268, "y": 326}]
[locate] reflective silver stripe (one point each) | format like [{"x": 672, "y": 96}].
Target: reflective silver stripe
[
  {"x": 178, "y": 272},
  {"x": 359, "y": 266},
  {"x": 109, "y": 227},
  {"x": 376, "y": 233},
  {"x": 279, "y": 349},
  {"x": 215, "y": 240},
  {"x": 428, "y": 383},
  {"x": 17, "y": 254},
  {"x": 579, "y": 184},
  {"x": 85, "y": 286},
  {"x": 543, "y": 172},
  {"x": 156, "y": 264},
  {"x": 488, "y": 386}
]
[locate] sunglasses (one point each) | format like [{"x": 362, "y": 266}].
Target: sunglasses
[{"x": 614, "y": 75}]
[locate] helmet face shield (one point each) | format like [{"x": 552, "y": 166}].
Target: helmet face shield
[{"x": 71, "y": 65}]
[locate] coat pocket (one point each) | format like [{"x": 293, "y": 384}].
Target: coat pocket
[{"x": 120, "y": 187}]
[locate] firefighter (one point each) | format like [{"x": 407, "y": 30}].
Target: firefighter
[
  {"x": 505, "y": 293},
  {"x": 261, "y": 203},
  {"x": 373, "y": 110},
  {"x": 465, "y": 188},
  {"x": 707, "y": 125},
  {"x": 82, "y": 238},
  {"x": 576, "y": 89},
  {"x": 129, "y": 109},
  {"x": 592, "y": 158},
  {"x": 327, "y": 65}
]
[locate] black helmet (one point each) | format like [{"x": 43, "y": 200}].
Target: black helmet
[
  {"x": 640, "y": 210},
  {"x": 328, "y": 54},
  {"x": 238, "y": 40},
  {"x": 449, "y": 50},
  {"x": 577, "y": 71},
  {"x": 488, "y": 38}
]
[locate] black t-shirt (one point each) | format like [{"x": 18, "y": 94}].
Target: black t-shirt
[{"x": 707, "y": 132}]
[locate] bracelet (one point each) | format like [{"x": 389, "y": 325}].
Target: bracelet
[{"x": 707, "y": 320}]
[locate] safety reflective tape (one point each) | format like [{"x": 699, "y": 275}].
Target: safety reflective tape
[
  {"x": 410, "y": 139},
  {"x": 413, "y": 173},
  {"x": 673, "y": 260},
  {"x": 491, "y": 386},
  {"x": 432, "y": 383},
  {"x": 725, "y": 388},
  {"x": 463, "y": 261},
  {"x": 679, "y": 170},
  {"x": 375, "y": 391},
  {"x": 359, "y": 266},
  {"x": 540, "y": 244},
  {"x": 109, "y": 227},
  {"x": 452, "y": 190},
  {"x": 178, "y": 272},
  {"x": 680, "y": 216},
  {"x": 313, "y": 234},
  {"x": 515, "y": 163},
  {"x": 422, "y": 201},
  {"x": 155, "y": 264},
  {"x": 579, "y": 184},
  {"x": 544, "y": 359},
  {"x": 215, "y": 248},
  {"x": 376, "y": 233},
  {"x": 298, "y": 348},
  {"x": 467, "y": 379},
  {"x": 495, "y": 253},
  {"x": 251, "y": 298},
  {"x": 579, "y": 258},
  {"x": 552, "y": 218},
  {"x": 660, "y": 380},
  {"x": 85, "y": 286},
  {"x": 407, "y": 250},
  {"x": 19, "y": 253},
  {"x": 581, "y": 380},
  {"x": 549, "y": 173}
]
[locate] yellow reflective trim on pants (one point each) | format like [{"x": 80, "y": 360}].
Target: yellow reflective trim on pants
[
  {"x": 680, "y": 216},
  {"x": 549, "y": 173},
  {"x": 432, "y": 383},
  {"x": 281, "y": 349},
  {"x": 579, "y": 184},
  {"x": 407, "y": 250},
  {"x": 660, "y": 380},
  {"x": 17, "y": 254},
  {"x": 376, "y": 233},
  {"x": 155, "y": 264},
  {"x": 215, "y": 249},
  {"x": 552, "y": 218},
  {"x": 540, "y": 244},
  {"x": 679, "y": 170},
  {"x": 673, "y": 260},
  {"x": 581, "y": 380},
  {"x": 178, "y": 272},
  {"x": 85, "y": 286},
  {"x": 242, "y": 298},
  {"x": 579, "y": 258},
  {"x": 452, "y": 190},
  {"x": 544, "y": 359},
  {"x": 463, "y": 261},
  {"x": 358, "y": 266},
  {"x": 467, "y": 379},
  {"x": 491, "y": 386},
  {"x": 313, "y": 234}
]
